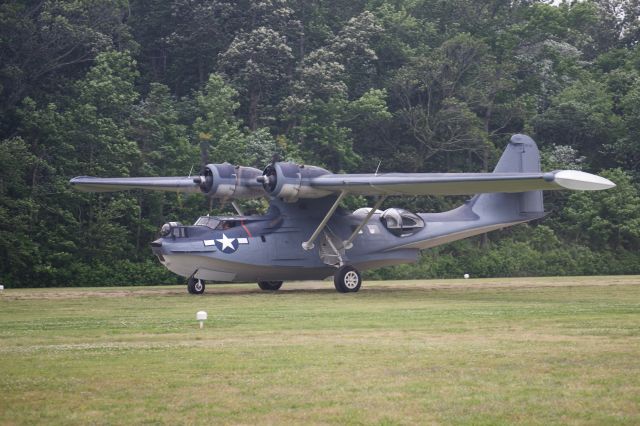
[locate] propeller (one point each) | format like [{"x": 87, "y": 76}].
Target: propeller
[
  {"x": 269, "y": 178},
  {"x": 205, "y": 180}
]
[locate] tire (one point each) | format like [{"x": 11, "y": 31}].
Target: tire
[
  {"x": 195, "y": 286},
  {"x": 347, "y": 279},
  {"x": 270, "y": 285}
]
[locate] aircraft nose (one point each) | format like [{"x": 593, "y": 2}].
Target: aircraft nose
[{"x": 156, "y": 248}]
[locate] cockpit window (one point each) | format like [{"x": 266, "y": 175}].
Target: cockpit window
[
  {"x": 220, "y": 223},
  {"x": 207, "y": 221},
  {"x": 400, "y": 222}
]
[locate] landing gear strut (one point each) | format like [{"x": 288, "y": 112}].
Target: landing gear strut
[
  {"x": 195, "y": 285},
  {"x": 347, "y": 279},
  {"x": 270, "y": 285}
]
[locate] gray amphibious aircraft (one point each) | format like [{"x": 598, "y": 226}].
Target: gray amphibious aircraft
[{"x": 304, "y": 235}]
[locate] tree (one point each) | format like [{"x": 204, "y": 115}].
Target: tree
[
  {"x": 44, "y": 44},
  {"x": 606, "y": 219},
  {"x": 626, "y": 148},
  {"x": 258, "y": 61},
  {"x": 580, "y": 116},
  {"x": 19, "y": 251},
  {"x": 437, "y": 94},
  {"x": 216, "y": 123},
  {"x": 181, "y": 39},
  {"x": 164, "y": 151}
]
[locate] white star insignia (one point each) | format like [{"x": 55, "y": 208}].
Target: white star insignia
[{"x": 226, "y": 242}]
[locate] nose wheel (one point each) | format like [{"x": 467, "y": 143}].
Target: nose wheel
[
  {"x": 195, "y": 285},
  {"x": 347, "y": 279}
]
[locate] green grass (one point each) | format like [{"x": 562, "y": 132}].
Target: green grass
[{"x": 503, "y": 351}]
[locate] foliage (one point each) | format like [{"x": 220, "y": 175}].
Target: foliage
[{"x": 107, "y": 87}]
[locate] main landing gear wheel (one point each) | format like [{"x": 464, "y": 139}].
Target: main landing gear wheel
[
  {"x": 195, "y": 286},
  {"x": 347, "y": 279},
  {"x": 270, "y": 285}
]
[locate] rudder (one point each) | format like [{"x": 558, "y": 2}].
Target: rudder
[{"x": 521, "y": 155}]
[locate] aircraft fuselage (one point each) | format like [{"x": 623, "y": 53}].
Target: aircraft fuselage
[{"x": 269, "y": 247}]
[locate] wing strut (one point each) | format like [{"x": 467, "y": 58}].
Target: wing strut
[
  {"x": 237, "y": 208},
  {"x": 308, "y": 245},
  {"x": 349, "y": 242}
]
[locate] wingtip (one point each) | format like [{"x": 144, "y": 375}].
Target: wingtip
[
  {"x": 77, "y": 179},
  {"x": 582, "y": 181}
]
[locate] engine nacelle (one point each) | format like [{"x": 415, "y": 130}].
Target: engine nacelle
[
  {"x": 229, "y": 181},
  {"x": 290, "y": 181}
]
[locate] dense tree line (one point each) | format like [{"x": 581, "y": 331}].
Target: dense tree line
[{"x": 155, "y": 87}]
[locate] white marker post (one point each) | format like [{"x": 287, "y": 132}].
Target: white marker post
[{"x": 201, "y": 316}]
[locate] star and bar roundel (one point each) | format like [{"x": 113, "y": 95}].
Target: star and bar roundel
[{"x": 226, "y": 244}]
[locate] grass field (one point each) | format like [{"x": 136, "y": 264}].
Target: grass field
[{"x": 486, "y": 351}]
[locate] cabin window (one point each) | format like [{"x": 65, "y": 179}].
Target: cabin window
[{"x": 227, "y": 224}]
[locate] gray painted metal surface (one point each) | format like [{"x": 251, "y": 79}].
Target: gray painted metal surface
[{"x": 269, "y": 247}]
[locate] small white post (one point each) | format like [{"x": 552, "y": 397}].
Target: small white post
[{"x": 201, "y": 316}]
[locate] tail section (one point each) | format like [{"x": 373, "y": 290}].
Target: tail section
[
  {"x": 521, "y": 155},
  {"x": 490, "y": 211}
]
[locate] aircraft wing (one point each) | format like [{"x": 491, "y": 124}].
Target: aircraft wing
[
  {"x": 223, "y": 181},
  {"x": 458, "y": 183},
  {"x": 172, "y": 184}
]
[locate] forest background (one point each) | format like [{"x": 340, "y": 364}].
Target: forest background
[{"x": 154, "y": 87}]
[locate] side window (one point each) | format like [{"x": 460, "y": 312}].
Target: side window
[{"x": 226, "y": 224}]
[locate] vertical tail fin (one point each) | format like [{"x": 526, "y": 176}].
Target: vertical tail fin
[{"x": 521, "y": 155}]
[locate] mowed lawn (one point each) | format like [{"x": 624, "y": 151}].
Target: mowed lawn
[{"x": 485, "y": 351}]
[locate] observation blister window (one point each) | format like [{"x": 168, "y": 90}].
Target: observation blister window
[{"x": 400, "y": 222}]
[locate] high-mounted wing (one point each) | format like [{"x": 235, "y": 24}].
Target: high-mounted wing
[
  {"x": 517, "y": 171},
  {"x": 459, "y": 183},
  {"x": 173, "y": 184},
  {"x": 218, "y": 181}
]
